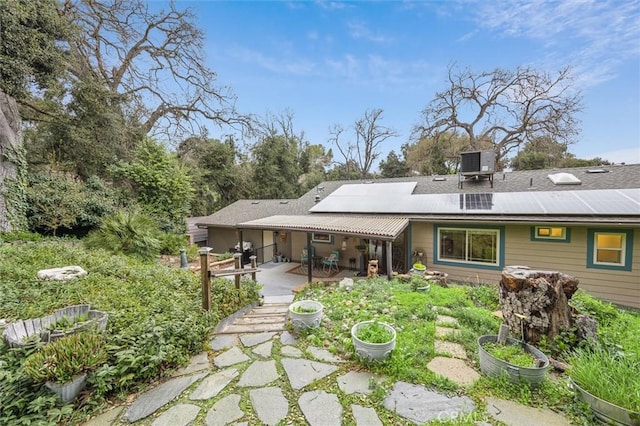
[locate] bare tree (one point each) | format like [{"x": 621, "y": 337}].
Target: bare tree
[
  {"x": 369, "y": 135},
  {"x": 345, "y": 148},
  {"x": 154, "y": 60},
  {"x": 504, "y": 106}
]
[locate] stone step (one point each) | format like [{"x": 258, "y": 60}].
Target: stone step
[
  {"x": 253, "y": 328},
  {"x": 267, "y": 310},
  {"x": 271, "y": 319}
]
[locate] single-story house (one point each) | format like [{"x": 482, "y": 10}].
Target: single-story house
[
  {"x": 197, "y": 236},
  {"x": 581, "y": 221}
]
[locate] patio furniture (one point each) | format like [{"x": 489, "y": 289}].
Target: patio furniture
[
  {"x": 305, "y": 258},
  {"x": 330, "y": 262}
]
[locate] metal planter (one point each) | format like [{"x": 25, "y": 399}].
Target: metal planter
[
  {"x": 494, "y": 367},
  {"x": 68, "y": 391},
  {"x": 303, "y": 320},
  {"x": 607, "y": 412},
  {"x": 373, "y": 351}
]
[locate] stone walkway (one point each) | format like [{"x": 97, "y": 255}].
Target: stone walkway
[{"x": 266, "y": 377}]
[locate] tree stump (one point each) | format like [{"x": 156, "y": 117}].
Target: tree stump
[{"x": 536, "y": 301}]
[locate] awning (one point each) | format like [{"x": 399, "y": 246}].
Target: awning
[{"x": 378, "y": 227}]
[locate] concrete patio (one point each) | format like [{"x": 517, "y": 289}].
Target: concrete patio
[{"x": 277, "y": 281}]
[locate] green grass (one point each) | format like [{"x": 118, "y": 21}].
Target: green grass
[
  {"x": 413, "y": 316},
  {"x": 609, "y": 376},
  {"x": 303, "y": 310},
  {"x": 513, "y": 354},
  {"x": 373, "y": 332}
]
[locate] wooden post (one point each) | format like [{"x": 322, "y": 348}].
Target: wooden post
[
  {"x": 503, "y": 334},
  {"x": 241, "y": 239},
  {"x": 310, "y": 258},
  {"x": 204, "y": 273},
  {"x": 389, "y": 261},
  {"x": 238, "y": 262},
  {"x": 254, "y": 265}
]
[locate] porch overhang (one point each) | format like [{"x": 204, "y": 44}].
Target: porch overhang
[{"x": 375, "y": 227}]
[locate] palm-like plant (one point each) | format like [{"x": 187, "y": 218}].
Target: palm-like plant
[{"x": 127, "y": 232}]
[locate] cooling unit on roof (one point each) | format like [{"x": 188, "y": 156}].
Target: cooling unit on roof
[{"x": 477, "y": 163}]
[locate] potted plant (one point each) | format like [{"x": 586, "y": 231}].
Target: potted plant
[
  {"x": 608, "y": 383},
  {"x": 418, "y": 267},
  {"x": 373, "y": 340},
  {"x": 64, "y": 363},
  {"x": 518, "y": 360},
  {"x": 305, "y": 314}
]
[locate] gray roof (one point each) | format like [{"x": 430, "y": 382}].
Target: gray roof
[{"x": 613, "y": 177}]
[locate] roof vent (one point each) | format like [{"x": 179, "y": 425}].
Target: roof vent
[
  {"x": 439, "y": 179},
  {"x": 255, "y": 202},
  {"x": 597, "y": 171},
  {"x": 284, "y": 202},
  {"x": 564, "y": 179}
]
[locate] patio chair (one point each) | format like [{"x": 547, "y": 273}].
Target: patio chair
[
  {"x": 304, "y": 256},
  {"x": 330, "y": 262}
]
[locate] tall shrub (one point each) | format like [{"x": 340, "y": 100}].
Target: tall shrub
[{"x": 160, "y": 183}]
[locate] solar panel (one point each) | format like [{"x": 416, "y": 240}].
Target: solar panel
[{"x": 398, "y": 199}]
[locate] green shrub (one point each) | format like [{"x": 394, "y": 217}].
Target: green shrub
[
  {"x": 19, "y": 236},
  {"x": 127, "y": 232},
  {"x": 60, "y": 203},
  {"x": 171, "y": 243},
  {"x": 23, "y": 401},
  {"x": 63, "y": 359},
  {"x": 224, "y": 256},
  {"x": 155, "y": 319},
  {"x": 160, "y": 183}
]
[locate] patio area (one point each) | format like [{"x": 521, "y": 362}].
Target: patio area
[{"x": 277, "y": 280}]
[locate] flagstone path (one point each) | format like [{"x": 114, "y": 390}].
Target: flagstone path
[{"x": 265, "y": 377}]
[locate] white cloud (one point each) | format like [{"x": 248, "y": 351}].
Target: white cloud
[
  {"x": 296, "y": 66},
  {"x": 332, "y": 5},
  {"x": 592, "y": 36},
  {"x": 359, "y": 30}
]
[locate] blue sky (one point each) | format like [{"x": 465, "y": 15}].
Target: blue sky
[{"x": 327, "y": 62}]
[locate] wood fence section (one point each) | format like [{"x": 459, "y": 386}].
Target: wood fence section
[{"x": 237, "y": 272}]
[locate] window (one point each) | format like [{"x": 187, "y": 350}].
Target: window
[
  {"x": 609, "y": 249},
  {"x": 473, "y": 247},
  {"x": 550, "y": 233}
]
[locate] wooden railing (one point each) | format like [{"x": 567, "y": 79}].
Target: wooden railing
[{"x": 206, "y": 274}]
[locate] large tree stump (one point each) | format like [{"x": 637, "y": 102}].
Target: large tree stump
[{"x": 536, "y": 301}]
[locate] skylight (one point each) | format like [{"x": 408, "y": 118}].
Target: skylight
[{"x": 564, "y": 179}]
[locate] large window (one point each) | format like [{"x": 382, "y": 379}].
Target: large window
[
  {"x": 475, "y": 247},
  {"x": 609, "y": 249}
]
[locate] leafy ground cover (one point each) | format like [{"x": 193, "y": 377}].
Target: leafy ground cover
[
  {"x": 155, "y": 321},
  {"x": 414, "y": 316}
]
